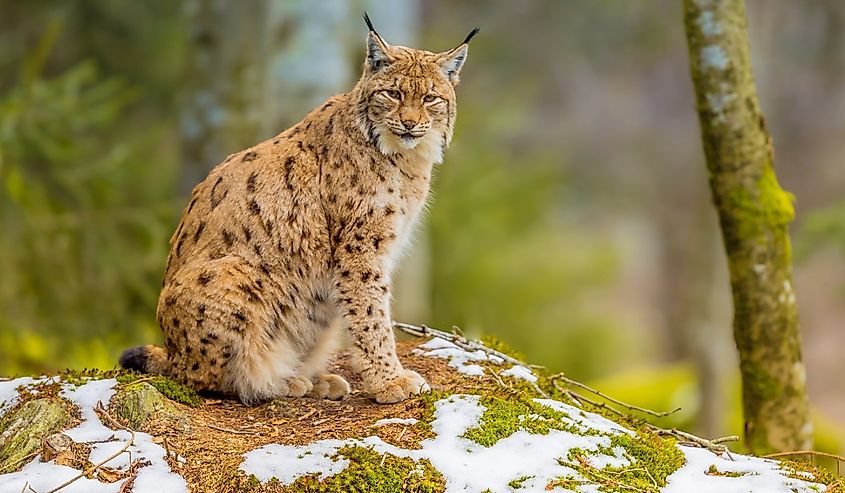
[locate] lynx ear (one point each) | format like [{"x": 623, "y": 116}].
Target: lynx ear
[
  {"x": 452, "y": 61},
  {"x": 378, "y": 55}
]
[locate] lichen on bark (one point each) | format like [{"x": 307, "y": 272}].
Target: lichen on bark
[
  {"x": 23, "y": 428},
  {"x": 754, "y": 215}
]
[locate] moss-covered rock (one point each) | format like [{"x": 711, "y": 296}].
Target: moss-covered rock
[
  {"x": 22, "y": 429},
  {"x": 137, "y": 403},
  {"x": 168, "y": 387}
]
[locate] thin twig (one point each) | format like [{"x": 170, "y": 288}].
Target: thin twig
[
  {"x": 630, "y": 407},
  {"x": 717, "y": 448},
  {"x": 711, "y": 445},
  {"x": 457, "y": 339},
  {"x": 580, "y": 399},
  {"x": 229, "y": 430},
  {"x": 805, "y": 452},
  {"x": 93, "y": 468},
  {"x": 730, "y": 438},
  {"x": 539, "y": 390}
]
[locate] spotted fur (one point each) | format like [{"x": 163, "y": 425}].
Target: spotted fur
[{"x": 288, "y": 244}]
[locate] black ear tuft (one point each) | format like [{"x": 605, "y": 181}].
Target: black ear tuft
[
  {"x": 369, "y": 22},
  {"x": 469, "y": 36}
]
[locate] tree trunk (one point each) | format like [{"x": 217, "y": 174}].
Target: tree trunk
[
  {"x": 253, "y": 69},
  {"x": 754, "y": 214}
]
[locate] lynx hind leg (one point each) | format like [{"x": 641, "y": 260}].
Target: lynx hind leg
[
  {"x": 262, "y": 372},
  {"x": 326, "y": 385},
  {"x": 232, "y": 333}
]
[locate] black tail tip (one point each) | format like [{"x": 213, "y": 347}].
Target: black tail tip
[{"x": 135, "y": 359}]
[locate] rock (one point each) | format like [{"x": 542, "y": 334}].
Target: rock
[
  {"x": 137, "y": 403},
  {"x": 22, "y": 430},
  {"x": 56, "y": 445}
]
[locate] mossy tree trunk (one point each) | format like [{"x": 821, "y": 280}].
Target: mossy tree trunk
[{"x": 754, "y": 214}]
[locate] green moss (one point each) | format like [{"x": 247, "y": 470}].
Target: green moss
[
  {"x": 504, "y": 416},
  {"x": 136, "y": 403},
  {"x": 765, "y": 206},
  {"x": 712, "y": 471},
  {"x": 79, "y": 377},
  {"x": 168, "y": 387},
  {"x": 497, "y": 344},
  {"x": 370, "y": 472},
  {"x": 517, "y": 483},
  {"x": 660, "y": 457},
  {"x": 652, "y": 460},
  {"x": 798, "y": 469}
]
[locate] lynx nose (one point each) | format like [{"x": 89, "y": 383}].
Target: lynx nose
[{"x": 409, "y": 124}]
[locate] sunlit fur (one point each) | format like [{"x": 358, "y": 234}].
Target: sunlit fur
[
  {"x": 293, "y": 242},
  {"x": 411, "y": 87}
]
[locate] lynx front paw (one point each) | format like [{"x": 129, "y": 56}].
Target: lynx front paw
[
  {"x": 329, "y": 386},
  {"x": 296, "y": 386},
  {"x": 399, "y": 388}
]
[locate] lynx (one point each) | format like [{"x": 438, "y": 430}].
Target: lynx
[{"x": 286, "y": 245}]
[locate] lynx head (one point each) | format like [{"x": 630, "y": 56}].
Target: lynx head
[{"x": 406, "y": 97}]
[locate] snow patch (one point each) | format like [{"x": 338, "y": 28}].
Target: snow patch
[
  {"x": 103, "y": 441},
  {"x": 287, "y": 463},
  {"x": 44, "y": 476},
  {"x": 519, "y": 371},
  {"x": 718, "y": 102},
  {"x": 757, "y": 475},
  {"x": 9, "y": 392},
  {"x": 585, "y": 420},
  {"x": 470, "y": 467},
  {"x": 466, "y": 465},
  {"x": 458, "y": 357}
]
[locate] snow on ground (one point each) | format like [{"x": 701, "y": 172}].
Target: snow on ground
[
  {"x": 531, "y": 458},
  {"x": 755, "y": 475},
  {"x": 519, "y": 371},
  {"x": 470, "y": 467},
  {"x": 9, "y": 392},
  {"x": 457, "y": 356},
  {"x": 153, "y": 478},
  {"x": 466, "y": 465}
]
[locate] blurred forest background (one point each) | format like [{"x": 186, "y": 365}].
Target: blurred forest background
[{"x": 571, "y": 218}]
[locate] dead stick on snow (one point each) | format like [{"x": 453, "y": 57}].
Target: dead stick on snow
[
  {"x": 93, "y": 468},
  {"x": 464, "y": 343},
  {"x": 459, "y": 340}
]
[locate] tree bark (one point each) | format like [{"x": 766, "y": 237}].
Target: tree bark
[
  {"x": 255, "y": 68},
  {"x": 754, "y": 214}
]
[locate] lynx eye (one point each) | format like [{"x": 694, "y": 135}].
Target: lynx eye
[
  {"x": 393, "y": 94},
  {"x": 430, "y": 98}
]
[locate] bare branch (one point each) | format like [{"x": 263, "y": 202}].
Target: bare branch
[{"x": 93, "y": 468}]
